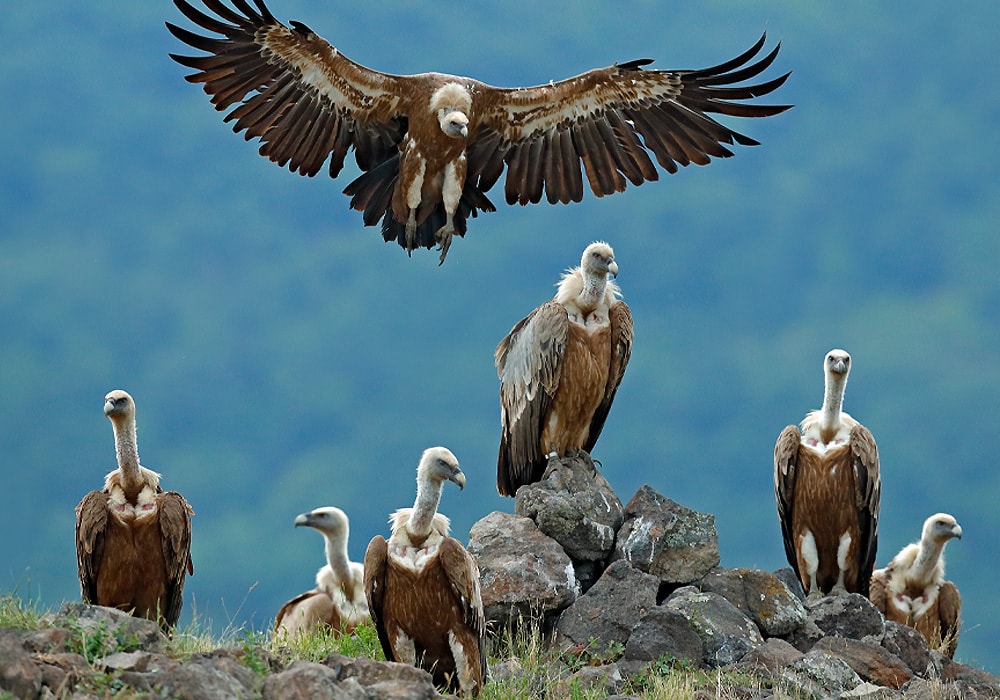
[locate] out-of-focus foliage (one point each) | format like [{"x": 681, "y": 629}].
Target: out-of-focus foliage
[{"x": 282, "y": 357}]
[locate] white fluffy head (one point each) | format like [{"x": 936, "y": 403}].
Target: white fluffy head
[
  {"x": 328, "y": 520},
  {"x": 837, "y": 362},
  {"x": 941, "y": 527},
  {"x": 437, "y": 465},
  {"x": 452, "y": 104}
]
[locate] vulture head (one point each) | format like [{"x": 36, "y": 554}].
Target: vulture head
[
  {"x": 838, "y": 363},
  {"x": 599, "y": 260},
  {"x": 119, "y": 406},
  {"x": 452, "y": 103},
  {"x": 940, "y": 528},
  {"x": 438, "y": 465},
  {"x": 328, "y": 520}
]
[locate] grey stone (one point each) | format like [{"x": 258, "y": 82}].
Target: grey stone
[
  {"x": 761, "y": 596},
  {"x": 852, "y": 616},
  {"x": 870, "y": 661},
  {"x": 726, "y": 633},
  {"x": 117, "y": 630},
  {"x": 574, "y": 505},
  {"x": 524, "y": 574},
  {"x": 664, "y": 632},
  {"x": 18, "y": 673},
  {"x": 215, "y": 676},
  {"x": 818, "y": 675},
  {"x": 911, "y": 648},
  {"x": 606, "y": 613},
  {"x": 771, "y": 656},
  {"x": 663, "y": 538}
]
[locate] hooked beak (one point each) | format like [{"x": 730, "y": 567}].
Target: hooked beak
[{"x": 613, "y": 268}]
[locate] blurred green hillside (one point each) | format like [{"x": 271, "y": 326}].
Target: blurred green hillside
[{"x": 283, "y": 357}]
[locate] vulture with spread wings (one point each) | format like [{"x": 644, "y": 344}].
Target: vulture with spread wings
[{"x": 432, "y": 145}]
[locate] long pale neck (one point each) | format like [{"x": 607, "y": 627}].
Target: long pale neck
[
  {"x": 594, "y": 288},
  {"x": 833, "y": 401},
  {"x": 126, "y": 450},
  {"x": 925, "y": 566},
  {"x": 336, "y": 557},
  {"x": 424, "y": 508}
]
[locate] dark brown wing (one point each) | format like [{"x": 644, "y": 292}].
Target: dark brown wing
[
  {"x": 786, "y": 458},
  {"x": 950, "y": 614},
  {"x": 289, "y": 87},
  {"x": 610, "y": 119},
  {"x": 463, "y": 574},
  {"x": 175, "y": 532},
  {"x": 528, "y": 364},
  {"x": 376, "y": 558},
  {"x": 91, "y": 528},
  {"x": 868, "y": 494},
  {"x": 621, "y": 351}
]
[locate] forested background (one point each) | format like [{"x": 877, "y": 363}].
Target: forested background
[{"x": 283, "y": 357}]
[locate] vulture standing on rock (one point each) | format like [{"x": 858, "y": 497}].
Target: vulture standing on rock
[
  {"x": 559, "y": 370},
  {"x": 133, "y": 540},
  {"x": 912, "y": 591},
  {"x": 423, "y": 586},
  {"x": 432, "y": 145},
  {"x": 338, "y": 600},
  {"x": 827, "y": 486}
]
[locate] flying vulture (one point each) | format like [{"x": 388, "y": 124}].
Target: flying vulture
[
  {"x": 827, "y": 487},
  {"x": 338, "y": 600},
  {"x": 912, "y": 591},
  {"x": 431, "y": 145},
  {"x": 423, "y": 587},
  {"x": 559, "y": 369},
  {"x": 133, "y": 539}
]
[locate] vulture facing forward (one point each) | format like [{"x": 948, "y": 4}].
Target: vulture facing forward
[
  {"x": 912, "y": 591},
  {"x": 559, "y": 370},
  {"x": 827, "y": 487},
  {"x": 431, "y": 145},
  {"x": 423, "y": 586},
  {"x": 338, "y": 600},
  {"x": 133, "y": 540}
]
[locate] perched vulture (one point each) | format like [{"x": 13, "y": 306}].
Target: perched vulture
[
  {"x": 338, "y": 600},
  {"x": 559, "y": 369},
  {"x": 431, "y": 145},
  {"x": 133, "y": 540},
  {"x": 827, "y": 486},
  {"x": 423, "y": 587},
  {"x": 912, "y": 591}
]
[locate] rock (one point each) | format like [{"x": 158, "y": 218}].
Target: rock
[
  {"x": 137, "y": 662},
  {"x": 870, "y": 691},
  {"x": 664, "y": 632},
  {"x": 214, "y": 676},
  {"x": 305, "y": 680},
  {"x": 18, "y": 674},
  {"x": 817, "y": 675},
  {"x": 606, "y": 679},
  {"x": 870, "y": 661},
  {"x": 663, "y": 538},
  {"x": 574, "y": 505},
  {"x": 771, "y": 656},
  {"x": 787, "y": 576},
  {"x": 524, "y": 574},
  {"x": 607, "y": 612},
  {"x": 852, "y": 616},
  {"x": 726, "y": 633},
  {"x": 910, "y": 647},
  {"x": 924, "y": 689},
  {"x": 369, "y": 672},
  {"x": 108, "y": 630},
  {"x": 761, "y": 596}
]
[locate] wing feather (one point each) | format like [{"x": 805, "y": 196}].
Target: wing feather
[
  {"x": 786, "y": 457},
  {"x": 91, "y": 528},
  {"x": 621, "y": 351},
  {"x": 175, "y": 533},
  {"x": 609, "y": 109},
  {"x": 376, "y": 558},
  {"x": 868, "y": 493},
  {"x": 283, "y": 80},
  {"x": 949, "y": 612},
  {"x": 463, "y": 575},
  {"x": 529, "y": 365}
]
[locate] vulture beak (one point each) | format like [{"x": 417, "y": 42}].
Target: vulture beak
[
  {"x": 303, "y": 519},
  {"x": 458, "y": 478},
  {"x": 109, "y": 406},
  {"x": 839, "y": 365},
  {"x": 957, "y": 531},
  {"x": 613, "y": 268}
]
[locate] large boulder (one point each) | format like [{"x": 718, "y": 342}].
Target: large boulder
[
  {"x": 727, "y": 635},
  {"x": 606, "y": 613},
  {"x": 761, "y": 596},
  {"x": 663, "y": 632},
  {"x": 524, "y": 574},
  {"x": 663, "y": 538}
]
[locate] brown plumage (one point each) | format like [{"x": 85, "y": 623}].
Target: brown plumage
[
  {"x": 133, "y": 540},
  {"x": 912, "y": 590},
  {"x": 827, "y": 487},
  {"x": 431, "y": 145},
  {"x": 338, "y": 601},
  {"x": 559, "y": 370},
  {"x": 423, "y": 587}
]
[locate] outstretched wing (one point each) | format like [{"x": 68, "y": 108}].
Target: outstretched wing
[
  {"x": 528, "y": 363},
  {"x": 786, "y": 458},
  {"x": 304, "y": 99},
  {"x": 91, "y": 527},
  {"x": 610, "y": 118},
  {"x": 175, "y": 534},
  {"x": 621, "y": 350},
  {"x": 868, "y": 494}
]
